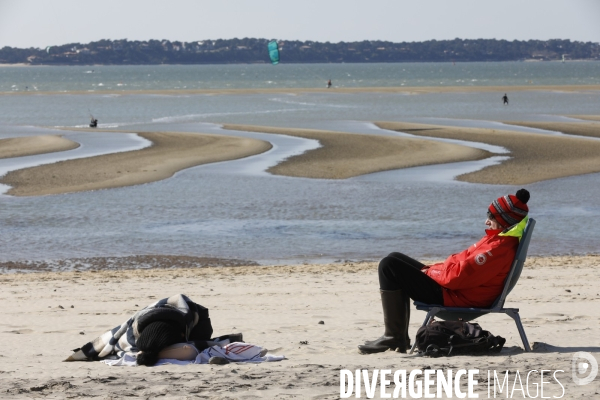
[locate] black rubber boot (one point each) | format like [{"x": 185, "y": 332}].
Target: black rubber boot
[
  {"x": 407, "y": 310},
  {"x": 395, "y": 319},
  {"x": 407, "y": 314},
  {"x": 406, "y": 301}
]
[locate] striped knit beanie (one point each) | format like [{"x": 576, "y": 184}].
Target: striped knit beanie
[{"x": 511, "y": 209}]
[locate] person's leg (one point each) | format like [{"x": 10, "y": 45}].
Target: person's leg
[
  {"x": 400, "y": 272},
  {"x": 406, "y": 259},
  {"x": 387, "y": 282},
  {"x": 400, "y": 278}
]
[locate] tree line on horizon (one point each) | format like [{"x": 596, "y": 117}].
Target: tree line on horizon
[{"x": 250, "y": 50}]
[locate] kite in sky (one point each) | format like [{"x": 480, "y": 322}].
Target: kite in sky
[{"x": 273, "y": 52}]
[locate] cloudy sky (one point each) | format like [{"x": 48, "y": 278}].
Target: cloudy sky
[{"x": 41, "y": 23}]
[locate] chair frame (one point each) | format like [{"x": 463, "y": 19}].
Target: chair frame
[{"x": 468, "y": 314}]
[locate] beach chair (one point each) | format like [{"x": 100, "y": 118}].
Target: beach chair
[{"x": 468, "y": 314}]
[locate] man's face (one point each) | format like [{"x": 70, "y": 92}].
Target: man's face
[{"x": 492, "y": 223}]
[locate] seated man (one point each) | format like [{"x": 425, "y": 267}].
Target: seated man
[{"x": 472, "y": 278}]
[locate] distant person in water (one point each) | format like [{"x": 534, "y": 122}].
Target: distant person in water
[
  {"x": 328, "y": 84},
  {"x": 505, "y": 99},
  {"x": 93, "y": 123}
]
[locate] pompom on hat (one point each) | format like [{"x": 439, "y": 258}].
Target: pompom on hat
[{"x": 511, "y": 209}]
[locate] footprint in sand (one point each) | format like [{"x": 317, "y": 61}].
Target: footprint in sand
[{"x": 20, "y": 331}]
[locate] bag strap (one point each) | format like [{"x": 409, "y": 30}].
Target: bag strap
[
  {"x": 496, "y": 344},
  {"x": 435, "y": 351}
]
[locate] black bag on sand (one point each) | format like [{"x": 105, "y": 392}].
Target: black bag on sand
[{"x": 443, "y": 338}]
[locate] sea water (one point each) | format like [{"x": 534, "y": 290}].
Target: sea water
[
  {"x": 245, "y": 76},
  {"x": 237, "y": 210}
]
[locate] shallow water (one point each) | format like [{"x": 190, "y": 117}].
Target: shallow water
[
  {"x": 243, "y": 76},
  {"x": 237, "y": 210}
]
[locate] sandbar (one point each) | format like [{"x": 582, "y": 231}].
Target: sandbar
[
  {"x": 344, "y": 155},
  {"x": 170, "y": 152},
  {"x": 33, "y": 145},
  {"x": 47, "y": 315},
  {"x": 586, "y": 117},
  {"x": 534, "y": 157},
  {"x": 390, "y": 89},
  {"x": 591, "y": 129}
]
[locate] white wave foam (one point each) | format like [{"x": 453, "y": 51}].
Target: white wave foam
[
  {"x": 191, "y": 117},
  {"x": 279, "y": 100}
]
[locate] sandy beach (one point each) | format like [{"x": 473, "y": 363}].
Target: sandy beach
[
  {"x": 586, "y": 117},
  {"x": 392, "y": 89},
  {"x": 534, "y": 157},
  {"x": 344, "y": 155},
  {"x": 28, "y": 146},
  {"x": 279, "y": 307},
  {"x": 591, "y": 129},
  {"x": 170, "y": 152}
]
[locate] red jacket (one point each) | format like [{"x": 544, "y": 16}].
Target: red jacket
[{"x": 475, "y": 277}]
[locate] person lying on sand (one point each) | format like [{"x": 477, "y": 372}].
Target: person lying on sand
[
  {"x": 471, "y": 278},
  {"x": 174, "y": 327},
  {"x": 166, "y": 340}
]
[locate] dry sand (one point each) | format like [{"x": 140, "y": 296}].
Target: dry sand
[
  {"x": 535, "y": 157},
  {"x": 170, "y": 152},
  {"x": 46, "y": 315},
  {"x": 591, "y": 129},
  {"x": 393, "y": 89},
  {"x": 32, "y": 145},
  {"x": 344, "y": 155}
]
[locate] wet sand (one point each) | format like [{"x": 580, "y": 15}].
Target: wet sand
[
  {"x": 170, "y": 152},
  {"x": 534, "y": 157},
  {"x": 32, "y": 145},
  {"x": 394, "y": 89},
  {"x": 344, "y": 155},
  {"x": 46, "y": 315},
  {"x": 586, "y": 117},
  {"x": 591, "y": 129}
]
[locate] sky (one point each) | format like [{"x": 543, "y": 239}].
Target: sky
[{"x": 41, "y": 23}]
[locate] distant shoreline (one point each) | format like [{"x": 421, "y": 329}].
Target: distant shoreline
[
  {"x": 295, "y": 63},
  {"x": 529, "y": 60},
  {"x": 390, "y": 89}
]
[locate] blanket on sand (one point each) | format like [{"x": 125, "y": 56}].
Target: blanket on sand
[
  {"x": 232, "y": 352},
  {"x": 193, "y": 319}
]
